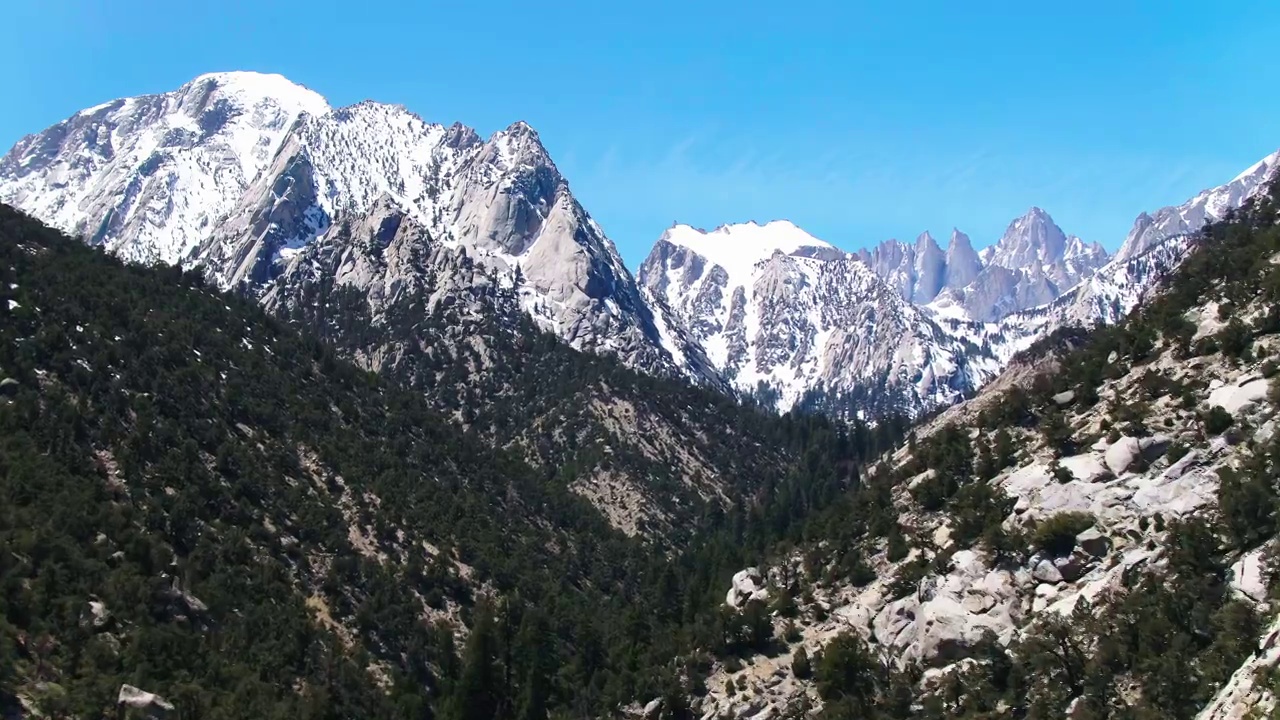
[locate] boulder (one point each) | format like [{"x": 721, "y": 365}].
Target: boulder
[
  {"x": 1248, "y": 576},
  {"x": 99, "y": 614},
  {"x": 1122, "y": 454},
  {"x": 1046, "y": 572},
  {"x": 941, "y": 626},
  {"x": 148, "y": 704},
  {"x": 1093, "y": 542},
  {"x": 1065, "y": 397},
  {"x": 1238, "y": 398},
  {"x": 748, "y": 586},
  {"x": 1045, "y": 596},
  {"x": 978, "y": 603},
  {"x": 1072, "y": 567},
  {"x": 1088, "y": 467},
  {"x": 1155, "y": 446},
  {"x": 942, "y": 536},
  {"x": 893, "y": 620}
]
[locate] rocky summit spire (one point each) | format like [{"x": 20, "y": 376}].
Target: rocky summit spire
[
  {"x": 930, "y": 269},
  {"x": 963, "y": 264}
]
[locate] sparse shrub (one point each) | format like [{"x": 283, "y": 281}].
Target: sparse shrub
[
  {"x": 908, "y": 578},
  {"x": 1217, "y": 420},
  {"x": 898, "y": 547},
  {"x": 1056, "y": 535},
  {"x": 800, "y": 665}
]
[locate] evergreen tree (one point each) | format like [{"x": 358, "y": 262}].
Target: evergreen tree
[{"x": 478, "y": 694}]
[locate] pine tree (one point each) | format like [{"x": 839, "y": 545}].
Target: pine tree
[{"x": 478, "y": 692}]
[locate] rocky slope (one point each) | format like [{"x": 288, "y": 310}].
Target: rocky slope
[{"x": 1090, "y": 537}]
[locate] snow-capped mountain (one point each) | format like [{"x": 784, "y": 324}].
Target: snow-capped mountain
[
  {"x": 239, "y": 172},
  {"x": 270, "y": 190},
  {"x": 1033, "y": 263},
  {"x": 904, "y": 326},
  {"x": 797, "y": 321},
  {"x": 150, "y": 176}
]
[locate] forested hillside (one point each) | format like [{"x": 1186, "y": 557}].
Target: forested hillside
[
  {"x": 661, "y": 458},
  {"x": 199, "y": 501}
]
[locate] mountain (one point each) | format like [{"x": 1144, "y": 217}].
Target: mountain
[
  {"x": 208, "y": 508},
  {"x": 788, "y": 318},
  {"x": 238, "y": 172},
  {"x": 918, "y": 272},
  {"x": 149, "y": 177},
  {"x": 962, "y": 262},
  {"x": 1032, "y": 264},
  {"x": 1092, "y": 535},
  {"x": 794, "y": 320}
]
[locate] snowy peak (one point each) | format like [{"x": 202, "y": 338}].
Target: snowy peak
[
  {"x": 252, "y": 90},
  {"x": 149, "y": 176},
  {"x": 737, "y": 248},
  {"x": 1030, "y": 241}
]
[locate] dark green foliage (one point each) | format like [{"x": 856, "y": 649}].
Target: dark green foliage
[
  {"x": 847, "y": 677},
  {"x": 800, "y": 663},
  {"x": 1217, "y": 420},
  {"x": 475, "y": 697},
  {"x": 948, "y": 457},
  {"x": 1248, "y": 496},
  {"x": 1056, "y": 535},
  {"x": 908, "y": 578},
  {"x": 977, "y": 511},
  {"x": 897, "y": 548},
  {"x": 1057, "y": 434}
]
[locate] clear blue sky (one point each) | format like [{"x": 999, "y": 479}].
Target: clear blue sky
[{"x": 858, "y": 121}]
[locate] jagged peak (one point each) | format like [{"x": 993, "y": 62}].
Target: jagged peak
[
  {"x": 521, "y": 127},
  {"x": 371, "y": 109},
  {"x": 959, "y": 240},
  {"x": 461, "y": 136},
  {"x": 925, "y": 242}
]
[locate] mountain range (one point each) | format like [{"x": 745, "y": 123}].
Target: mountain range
[{"x": 266, "y": 188}]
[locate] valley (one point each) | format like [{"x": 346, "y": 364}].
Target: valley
[{"x": 333, "y": 412}]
